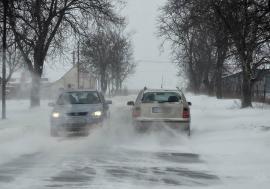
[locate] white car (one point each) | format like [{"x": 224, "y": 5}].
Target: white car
[{"x": 160, "y": 107}]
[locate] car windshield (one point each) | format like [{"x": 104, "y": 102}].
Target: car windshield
[
  {"x": 160, "y": 97},
  {"x": 80, "y": 97}
]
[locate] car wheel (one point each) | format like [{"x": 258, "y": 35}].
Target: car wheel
[
  {"x": 189, "y": 131},
  {"x": 108, "y": 115},
  {"x": 101, "y": 124},
  {"x": 54, "y": 132},
  {"x": 140, "y": 128}
]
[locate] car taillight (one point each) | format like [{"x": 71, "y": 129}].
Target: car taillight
[
  {"x": 136, "y": 112},
  {"x": 186, "y": 113}
]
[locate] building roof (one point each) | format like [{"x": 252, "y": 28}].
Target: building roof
[{"x": 261, "y": 71}]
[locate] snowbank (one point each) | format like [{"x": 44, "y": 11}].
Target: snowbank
[{"x": 233, "y": 143}]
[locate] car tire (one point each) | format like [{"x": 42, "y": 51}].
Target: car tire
[
  {"x": 140, "y": 128},
  {"x": 108, "y": 115},
  {"x": 54, "y": 132},
  {"x": 189, "y": 132}
]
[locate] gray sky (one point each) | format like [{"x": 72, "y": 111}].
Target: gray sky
[{"x": 151, "y": 64}]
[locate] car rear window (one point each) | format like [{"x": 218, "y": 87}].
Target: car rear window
[
  {"x": 160, "y": 97},
  {"x": 80, "y": 97}
]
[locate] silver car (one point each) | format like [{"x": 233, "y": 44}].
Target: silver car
[
  {"x": 160, "y": 107},
  {"x": 78, "y": 111}
]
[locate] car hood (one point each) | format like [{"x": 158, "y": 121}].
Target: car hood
[{"x": 78, "y": 108}]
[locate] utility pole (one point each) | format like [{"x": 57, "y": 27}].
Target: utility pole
[
  {"x": 78, "y": 64},
  {"x": 4, "y": 60},
  {"x": 162, "y": 80},
  {"x": 73, "y": 58}
]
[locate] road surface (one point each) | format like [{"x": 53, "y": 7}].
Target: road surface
[{"x": 113, "y": 156}]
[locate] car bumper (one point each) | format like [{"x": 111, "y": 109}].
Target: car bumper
[
  {"x": 171, "y": 120},
  {"x": 175, "y": 123},
  {"x": 75, "y": 124}
]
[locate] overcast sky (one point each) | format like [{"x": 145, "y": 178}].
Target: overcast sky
[{"x": 152, "y": 65}]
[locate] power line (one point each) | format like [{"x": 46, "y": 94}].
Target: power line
[{"x": 154, "y": 61}]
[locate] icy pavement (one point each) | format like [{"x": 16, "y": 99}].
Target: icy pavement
[{"x": 229, "y": 148}]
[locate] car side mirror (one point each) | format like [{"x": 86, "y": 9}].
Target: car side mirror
[
  {"x": 189, "y": 103},
  {"x": 130, "y": 103},
  {"x": 108, "y": 102},
  {"x": 51, "y": 104}
]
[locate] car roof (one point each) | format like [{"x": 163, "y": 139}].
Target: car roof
[
  {"x": 79, "y": 90},
  {"x": 161, "y": 90}
]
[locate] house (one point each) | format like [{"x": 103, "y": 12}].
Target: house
[
  {"x": 74, "y": 80},
  {"x": 19, "y": 86},
  {"x": 232, "y": 86}
]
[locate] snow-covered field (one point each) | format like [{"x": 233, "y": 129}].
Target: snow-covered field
[{"x": 229, "y": 148}]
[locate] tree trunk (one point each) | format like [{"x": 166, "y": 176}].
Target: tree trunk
[
  {"x": 246, "y": 90},
  {"x": 103, "y": 83},
  {"x": 208, "y": 86},
  {"x": 36, "y": 78},
  {"x": 193, "y": 81},
  {"x": 211, "y": 87},
  {"x": 35, "y": 90},
  {"x": 246, "y": 83},
  {"x": 220, "y": 62},
  {"x": 121, "y": 85},
  {"x": 219, "y": 82},
  {"x": 109, "y": 87},
  {"x": 194, "y": 86},
  {"x": 117, "y": 83}
]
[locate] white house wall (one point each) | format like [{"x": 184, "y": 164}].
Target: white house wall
[{"x": 70, "y": 80}]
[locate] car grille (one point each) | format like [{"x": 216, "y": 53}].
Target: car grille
[
  {"x": 75, "y": 124},
  {"x": 75, "y": 127},
  {"x": 77, "y": 114}
]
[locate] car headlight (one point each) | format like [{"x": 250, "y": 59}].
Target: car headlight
[
  {"x": 97, "y": 114},
  {"x": 55, "y": 114}
]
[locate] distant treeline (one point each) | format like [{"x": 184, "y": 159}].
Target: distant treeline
[{"x": 214, "y": 38}]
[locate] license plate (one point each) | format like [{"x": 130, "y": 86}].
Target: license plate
[
  {"x": 156, "y": 110},
  {"x": 76, "y": 121}
]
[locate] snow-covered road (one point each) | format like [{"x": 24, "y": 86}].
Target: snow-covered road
[{"x": 229, "y": 148}]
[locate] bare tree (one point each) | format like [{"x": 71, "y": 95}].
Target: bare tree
[
  {"x": 14, "y": 59},
  {"x": 248, "y": 24},
  {"x": 199, "y": 39},
  {"x": 211, "y": 30},
  {"x": 108, "y": 54},
  {"x": 122, "y": 63},
  {"x": 40, "y": 25},
  {"x": 95, "y": 52}
]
